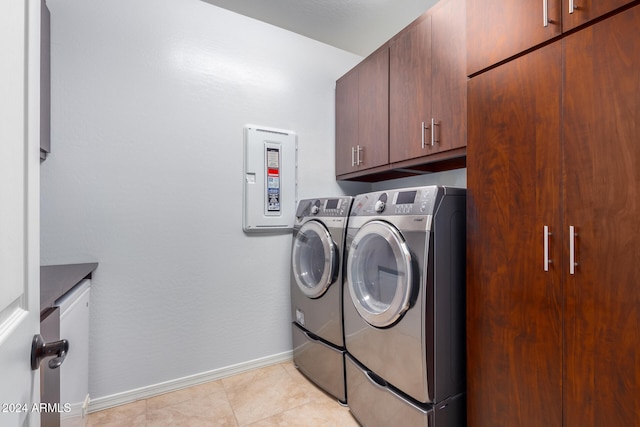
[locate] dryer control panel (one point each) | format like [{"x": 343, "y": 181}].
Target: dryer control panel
[{"x": 405, "y": 201}]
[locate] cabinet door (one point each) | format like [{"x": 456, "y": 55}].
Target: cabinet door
[
  {"x": 373, "y": 110},
  {"x": 448, "y": 75},
  {"x": 514, "y": 321},
  {"x": 497, "y": 30},
  {"x": 410, "y": 92},
  {"x": 602, "y": 199},
  {"x": 577, "y": 12},
  {"x": 346, "y": 122}
]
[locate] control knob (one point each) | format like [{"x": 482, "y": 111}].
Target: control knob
[
  {"x": 381, "y": 203},
  {"x": 315, "y": 208}
]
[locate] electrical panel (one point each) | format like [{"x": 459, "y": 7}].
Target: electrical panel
[{"x": 270, "y": 179}]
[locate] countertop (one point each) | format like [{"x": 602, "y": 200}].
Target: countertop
[{"x": 57, "y": 280}]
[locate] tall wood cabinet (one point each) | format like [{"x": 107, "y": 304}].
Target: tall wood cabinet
[
  {"x": 601, "y": 142},
  {"x": 514, "y": 316},
  {"x": 553, "y": 327},
  {"x": 498, "y": 30}
]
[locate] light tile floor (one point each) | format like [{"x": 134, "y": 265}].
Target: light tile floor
[{"x": 277, "y": 395}]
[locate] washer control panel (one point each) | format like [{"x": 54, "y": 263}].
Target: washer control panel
[{"x": 324, "y": 207}]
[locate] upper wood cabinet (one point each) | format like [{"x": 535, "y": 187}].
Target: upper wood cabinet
[
  {"x": 427, "y": 84},
  {"x": 410, "y": 92},
  {"x": 362, "y": 115},
  {"x": 448, "y": 77},
  {"x": 425, "y": 98},
  {"x": 347, "y": 126},
  {"x": 578, "y": 12},
  {"x": 552, "y": 208},
  {"x": 498, "y": 30}
]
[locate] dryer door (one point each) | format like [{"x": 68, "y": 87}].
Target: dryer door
[
  {"x": 379, "y": 273},
  {"x": 314, "y": 259}
]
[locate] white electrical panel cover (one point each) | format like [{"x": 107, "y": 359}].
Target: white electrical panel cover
[{"x": 270, "y": 179}]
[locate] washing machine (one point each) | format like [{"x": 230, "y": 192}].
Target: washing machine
[
  {"x": 404, "y": 307},
  {"x": 316, "y": 291}
]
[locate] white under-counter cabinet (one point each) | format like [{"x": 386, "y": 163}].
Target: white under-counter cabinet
[{"x": 74, "y": 372}]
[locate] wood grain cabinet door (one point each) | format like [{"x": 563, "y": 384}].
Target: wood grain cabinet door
[
  {"x": 410, "y": 92},
  {"x": 373, "y": 104},
  {"x": 362, "y": 115},
  {"x": 346, "y": 122},
  {"x": 602, "y": 203},
  {"x": 428, "y": 84},
  {"x": 578, "y": 12},
  {"x": 514, "y": 306},
  {"x": 497, "y": 30},
  {"x": 448, "y": 75}
]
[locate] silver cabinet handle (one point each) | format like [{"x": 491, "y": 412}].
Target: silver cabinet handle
[
  {"x": 422, "y": 129},
  {"x": 359, "y": 150},
  {"x": 353, "y": 157},
  {"x": 545, "y": 13},
  {"x": 434, "y": 140},
  {"x": 572, "y": 6},
  {"x": 432, "y": 131},
  {"x": 546, "y": 235},
  {"x": 572, "y": 250}
]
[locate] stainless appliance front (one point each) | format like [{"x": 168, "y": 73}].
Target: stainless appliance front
[
  {"x": 404, "y": 296},
  {"x": 316, "y": 291}
]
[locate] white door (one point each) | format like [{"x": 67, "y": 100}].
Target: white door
[{"x": 19, "y": 209}]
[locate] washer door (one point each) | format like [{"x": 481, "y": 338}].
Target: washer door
[
  {"x": 379, "y": 273},
  {"x": 314, "y": 259}
]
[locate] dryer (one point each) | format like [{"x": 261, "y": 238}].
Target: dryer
[
  {"x": 316, "y": 291},
  {"x": 404, "y": 307}
]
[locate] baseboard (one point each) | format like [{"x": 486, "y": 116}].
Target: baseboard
[
  {"x": 75, "y": 412},
  {"x": 129, "y": 396}
]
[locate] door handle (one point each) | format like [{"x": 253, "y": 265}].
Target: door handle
[
  {"x": 434, "y": 140},
  {"x": 423, "y": 128},
  {"x": 41, "y": 350},
  {"x": 546, "y": 233},
  {"x": 572, "y": 250}
]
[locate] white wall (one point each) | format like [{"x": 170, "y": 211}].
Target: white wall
[
  {"x": 145, "y": 177},
  {"x": 453, "y": 178}
]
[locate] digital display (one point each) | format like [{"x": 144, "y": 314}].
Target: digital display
[
  {"x": 332, "y": 204},
  {"x": 406, "y": 197}
]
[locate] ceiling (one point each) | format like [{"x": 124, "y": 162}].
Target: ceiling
[{"x": 357, "y": 26}]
